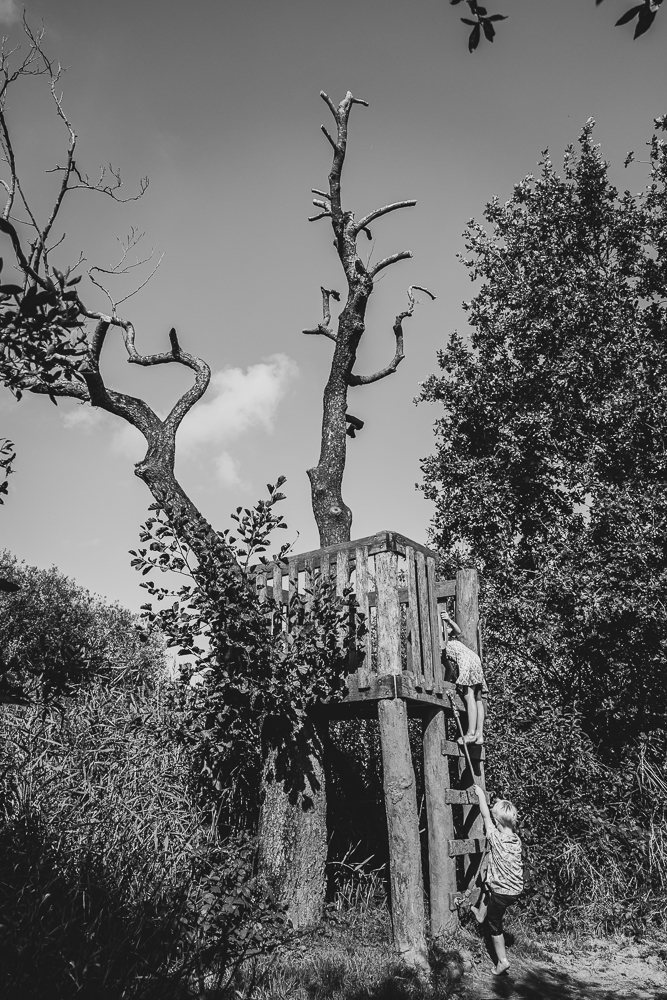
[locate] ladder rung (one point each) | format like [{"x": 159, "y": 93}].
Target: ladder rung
[
  {"x": 462, "y": 797},
  {"x": 472, "y": 846},
  {"x": 450, "y": 749}
]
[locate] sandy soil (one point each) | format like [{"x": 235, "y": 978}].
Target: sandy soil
[{"x": 591, "y": 969}]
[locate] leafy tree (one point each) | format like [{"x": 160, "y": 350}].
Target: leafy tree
[
  {"x": 256, "y": 670},
  {"x": 55, "y": 636},
  {"x": 482, "y": 22},
  {"x": 550, "y": 465}
]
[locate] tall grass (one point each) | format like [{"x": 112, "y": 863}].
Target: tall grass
[{"x": 99, "y": 845}]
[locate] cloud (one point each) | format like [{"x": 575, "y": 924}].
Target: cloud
[
  {"x": 227, "y": 471},
  {"x": 241, "y": 400},
  {"x": 9, "y": 12},
  {"x": 85, "y": 417}
]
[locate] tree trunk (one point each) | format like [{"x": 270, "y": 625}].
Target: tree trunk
[
  {"x": 332, "y": 515},
  {"x": 292, "y": 832},
  {"x": 190, "y": 525}
]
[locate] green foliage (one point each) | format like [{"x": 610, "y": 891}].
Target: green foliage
[
  {"x": 644, "y": 12},
  {"x": 550, "y": 467},
  {"x": 256, "y": 669},
  {"x": 54, "y": 635},
  {"x": 40, "y": 331},
  {"x": 550, "y": 474},
  {"x": 114, "y": 881},
  {"x": 484, "y": 22},
  {"x": 7, "y": 456}
]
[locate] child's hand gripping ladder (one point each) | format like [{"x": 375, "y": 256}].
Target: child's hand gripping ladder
[{"x": 462, "y": 897}]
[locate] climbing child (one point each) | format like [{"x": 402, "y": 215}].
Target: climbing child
[
  {"x": 504, "y": 877},
  {"x": 467, "y": 672}
]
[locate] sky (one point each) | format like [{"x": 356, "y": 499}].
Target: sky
[{"x": 216, "y": 101}]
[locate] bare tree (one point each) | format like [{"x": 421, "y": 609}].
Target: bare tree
[
  {"x": 52, "y": 340},
  {"x": 332, "y": 515}
]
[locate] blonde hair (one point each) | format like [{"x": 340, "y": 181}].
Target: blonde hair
[{"x": 505, "y": 814}]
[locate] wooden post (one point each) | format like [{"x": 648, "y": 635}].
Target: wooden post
[
  {"x": 407, "y": 891},
  {"x": 467, "y": 607},
  {"x": 442, "y": 867},
  {"x": 467, "y": 619}
]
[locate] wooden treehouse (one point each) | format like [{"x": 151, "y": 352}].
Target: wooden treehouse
[{"x": 400, "y": 675}]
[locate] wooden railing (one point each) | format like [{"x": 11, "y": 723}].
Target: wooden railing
[{"x": 394, "y": 580}]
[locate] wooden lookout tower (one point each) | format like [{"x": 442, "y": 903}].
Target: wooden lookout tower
[{"x": 401, "y": 676}]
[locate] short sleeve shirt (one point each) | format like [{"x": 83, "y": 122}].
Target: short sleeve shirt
[{"x": 505, "y": 871}]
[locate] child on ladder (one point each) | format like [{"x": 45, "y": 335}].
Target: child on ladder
[
  {"x": 504, "y": 877},
  {"x": 466, "y": 671}
]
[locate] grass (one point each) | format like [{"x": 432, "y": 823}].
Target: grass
[{"x": 99, "y": 842}]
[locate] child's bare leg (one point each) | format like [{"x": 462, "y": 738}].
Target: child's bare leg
[
  {"x": 471, "y": 709},
  {"x": 499, "y": 945},
  {"x": 479, "y": 728}
]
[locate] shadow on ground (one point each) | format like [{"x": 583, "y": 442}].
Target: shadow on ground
[{"x": 541, "y": 983}]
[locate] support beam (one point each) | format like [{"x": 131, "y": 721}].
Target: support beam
[
  {"x": 442, "y": 866},
  {"x": 400, "y": 794}
]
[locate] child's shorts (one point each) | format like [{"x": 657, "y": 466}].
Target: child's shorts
[{"x": 498, "y": 903}]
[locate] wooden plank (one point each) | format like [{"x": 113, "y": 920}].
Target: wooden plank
[
  {"x": 413, "y": 617},
  {"x": 451, "y": 749},
  {"x": 474, "y": 845},
  {"x": 424, "y": 621},
  {"x": 402, "y": 540},
  {"x": 277, "y": 584},
  {"x": 389, "y": 613},
  {"x": 403, "y": 597},
  {"x": 462, "y": 797},
  {"x": 293, "y": 572},
  {"x": 260, "y": 583},
  {"x": 342, "y": 571},
  {"x": 403, "y": 686},
  {"x": 467, "y": 611},
  {"x": 436, "y": 627},
  {"x": 378, "y": 542},
  {"x": 379, "y": 687},
  {"x": 381, "y": 541},
  {"x": 325, "y": 564},
  {"x": 277, "y": 594},
  {"x": 440, "y": 821},
  {"x": 445, "y": 589},
  {"x": 361, "y": 586},
  {"x": 309, "y": 574}
]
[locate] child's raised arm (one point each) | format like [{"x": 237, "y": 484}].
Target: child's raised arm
[
  {"x": 452, "y": 624},
  {"x": 483, "y": 807}
]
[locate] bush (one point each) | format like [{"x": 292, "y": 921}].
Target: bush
[
  {"x": 114, "y": 884},
  {"x": 55, "y": 635}
]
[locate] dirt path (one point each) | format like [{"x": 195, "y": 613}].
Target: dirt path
[{"x": 589, "y": 970}]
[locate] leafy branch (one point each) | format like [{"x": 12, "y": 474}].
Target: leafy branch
[{"x": 482, "y": 22}]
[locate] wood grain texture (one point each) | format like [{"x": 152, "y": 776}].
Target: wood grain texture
[
  {"x": 442, "y": 867},
  {"x": 405, "y": 872},
  {"x": 471, "y": 845}
]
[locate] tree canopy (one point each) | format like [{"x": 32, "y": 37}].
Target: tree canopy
[{"x": 550, "y": 469}]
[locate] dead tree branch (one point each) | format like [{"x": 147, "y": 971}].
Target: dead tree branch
[
  {"x": 323, "y": 329},
  {"x": 398, "y": 333},
  {"x": 333, "y": 517},
  {"x": 58, "y": 348}
]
